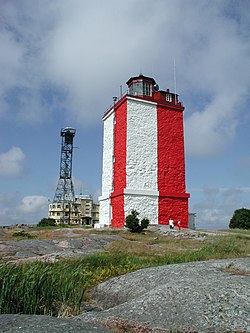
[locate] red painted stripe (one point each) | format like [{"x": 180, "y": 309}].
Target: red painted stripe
[
  {"x": 117, "y": 203},
  {"x": 119, "y": 174},
  {"x": 175, "y": 208},
  {"x": 174, "y": 195},
  {"x": 171, "y": 166}
]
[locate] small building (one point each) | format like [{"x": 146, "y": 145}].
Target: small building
[
  {"x": 191, "y": 221},
  {"x": 83, "y": 211}
]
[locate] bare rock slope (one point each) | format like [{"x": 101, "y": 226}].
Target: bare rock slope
[
  {"x": 70, "y": 246},
  {"x": 212, "y": 296},
  {"x": 208, "y": 296}
]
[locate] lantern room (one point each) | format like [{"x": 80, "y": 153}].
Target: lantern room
[{"x": 141, "y": 86}]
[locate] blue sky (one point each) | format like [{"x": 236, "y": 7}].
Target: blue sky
[{"x": 62, "y": 61}]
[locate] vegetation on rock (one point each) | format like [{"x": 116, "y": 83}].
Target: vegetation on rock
[
  {"x": 61, "y": 288},
  {"x": 46, "y": 222},
  {"x": 22, "y": 234}
]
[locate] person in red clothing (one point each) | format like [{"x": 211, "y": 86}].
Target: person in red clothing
[{"x": 179, "y": 225}]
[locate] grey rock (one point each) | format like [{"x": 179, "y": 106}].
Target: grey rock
[
  {"x": 52, "y": 250},
  {"x": 199, "y": 297},
  {"x": 206, "y": 297},
  {"x": 46, "y": 324}
]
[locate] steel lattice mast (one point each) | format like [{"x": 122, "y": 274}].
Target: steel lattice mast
[{"x": 65, "y": 189}]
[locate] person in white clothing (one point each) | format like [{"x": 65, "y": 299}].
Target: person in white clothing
[{"x": 171, "y": 224}]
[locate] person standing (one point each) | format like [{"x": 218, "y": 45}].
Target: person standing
[
  {"x": 171, "y": 224},
  {"x": 179, "y": 225}
]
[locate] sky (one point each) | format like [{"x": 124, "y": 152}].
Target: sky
[{"x": 61, "y": 63}]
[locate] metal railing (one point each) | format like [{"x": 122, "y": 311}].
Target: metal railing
[{"x": 115, "y": 101}]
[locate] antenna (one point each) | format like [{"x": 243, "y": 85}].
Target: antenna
[
  {"x": 152, "y": 70},
  {"x": 175, "y": 93}
]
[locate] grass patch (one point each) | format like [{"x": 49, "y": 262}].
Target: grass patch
[
  {"x": 45, "y": 288},
  {"x": 23, "y": 235},
  {"x": 60, "y": 288},
  {"x": 238, "y": 231},
  {"x": 225, "y": 247}
]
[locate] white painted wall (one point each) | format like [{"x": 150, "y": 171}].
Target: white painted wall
[
  {"x": 108, "y": 149},
  {"x": 141, "y": 183},
  {"x": 105, "y": 213},
  {"x": 107, "y": 168},
  {"x": 146, "y": 205},
  {"x": 141, "y": 152},
  {"x": 141, "y": 162}
]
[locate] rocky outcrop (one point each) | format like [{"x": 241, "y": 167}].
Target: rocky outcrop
[
  {"x": 46, "y": 324},
  {"x": 55, "y": 249},
  {"x": 199, "y": 297},
  {"x": 202, "y": 297}
]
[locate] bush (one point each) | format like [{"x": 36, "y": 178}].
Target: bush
[
  {"x": 45, "y": 222},
  {"x": 23, "y": 234},
  {"x": 134, "y": 224},
  {"x": 240, "y": 219}
]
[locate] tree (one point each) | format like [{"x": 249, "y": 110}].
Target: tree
[
  {"x": 46, "y": 222},
  {"x": 134, "y": 224},
  {"x": 240, "y": 219}
]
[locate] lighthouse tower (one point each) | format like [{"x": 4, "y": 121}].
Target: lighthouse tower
[{"x": 143, "y": 157}]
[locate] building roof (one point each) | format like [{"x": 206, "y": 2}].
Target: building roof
[{"x": 141, "y": 76}]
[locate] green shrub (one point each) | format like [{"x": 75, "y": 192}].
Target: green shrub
[
  {"x": 46, "y": 222},
  {"x": 240, "y": 219},
  {"x": 134, "y": 224},
  {"x": 22, "y": 234}
]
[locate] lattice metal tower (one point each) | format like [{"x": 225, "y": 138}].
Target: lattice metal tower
[{"x": 65, "y": 189}]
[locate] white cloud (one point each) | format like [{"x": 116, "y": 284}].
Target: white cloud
[
  {"x": 216, "y": 206},
  {"x": 15, "y": 209},
  {"x": 33, "y": 203},
  {"x": 210, "y": 131},
  {"x": 79, "y": 53},
  {"x": 91, "y": 48},
  {"x": 23, "y": 82},
  {"x": 11, "y": 162},
  {"x": 216, "y": 68},
  {"x": 9, "y": 59}
]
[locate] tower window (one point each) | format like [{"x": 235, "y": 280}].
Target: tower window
[
  {"x": 136, "y": 88},
  {"x": 168, "y": 97},
  {"x": 147, "y": 89},
  {"x": 141, "y": 88}
]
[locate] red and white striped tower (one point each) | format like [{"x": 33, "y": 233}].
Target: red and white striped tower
[{"x": 143, "y": 157}]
